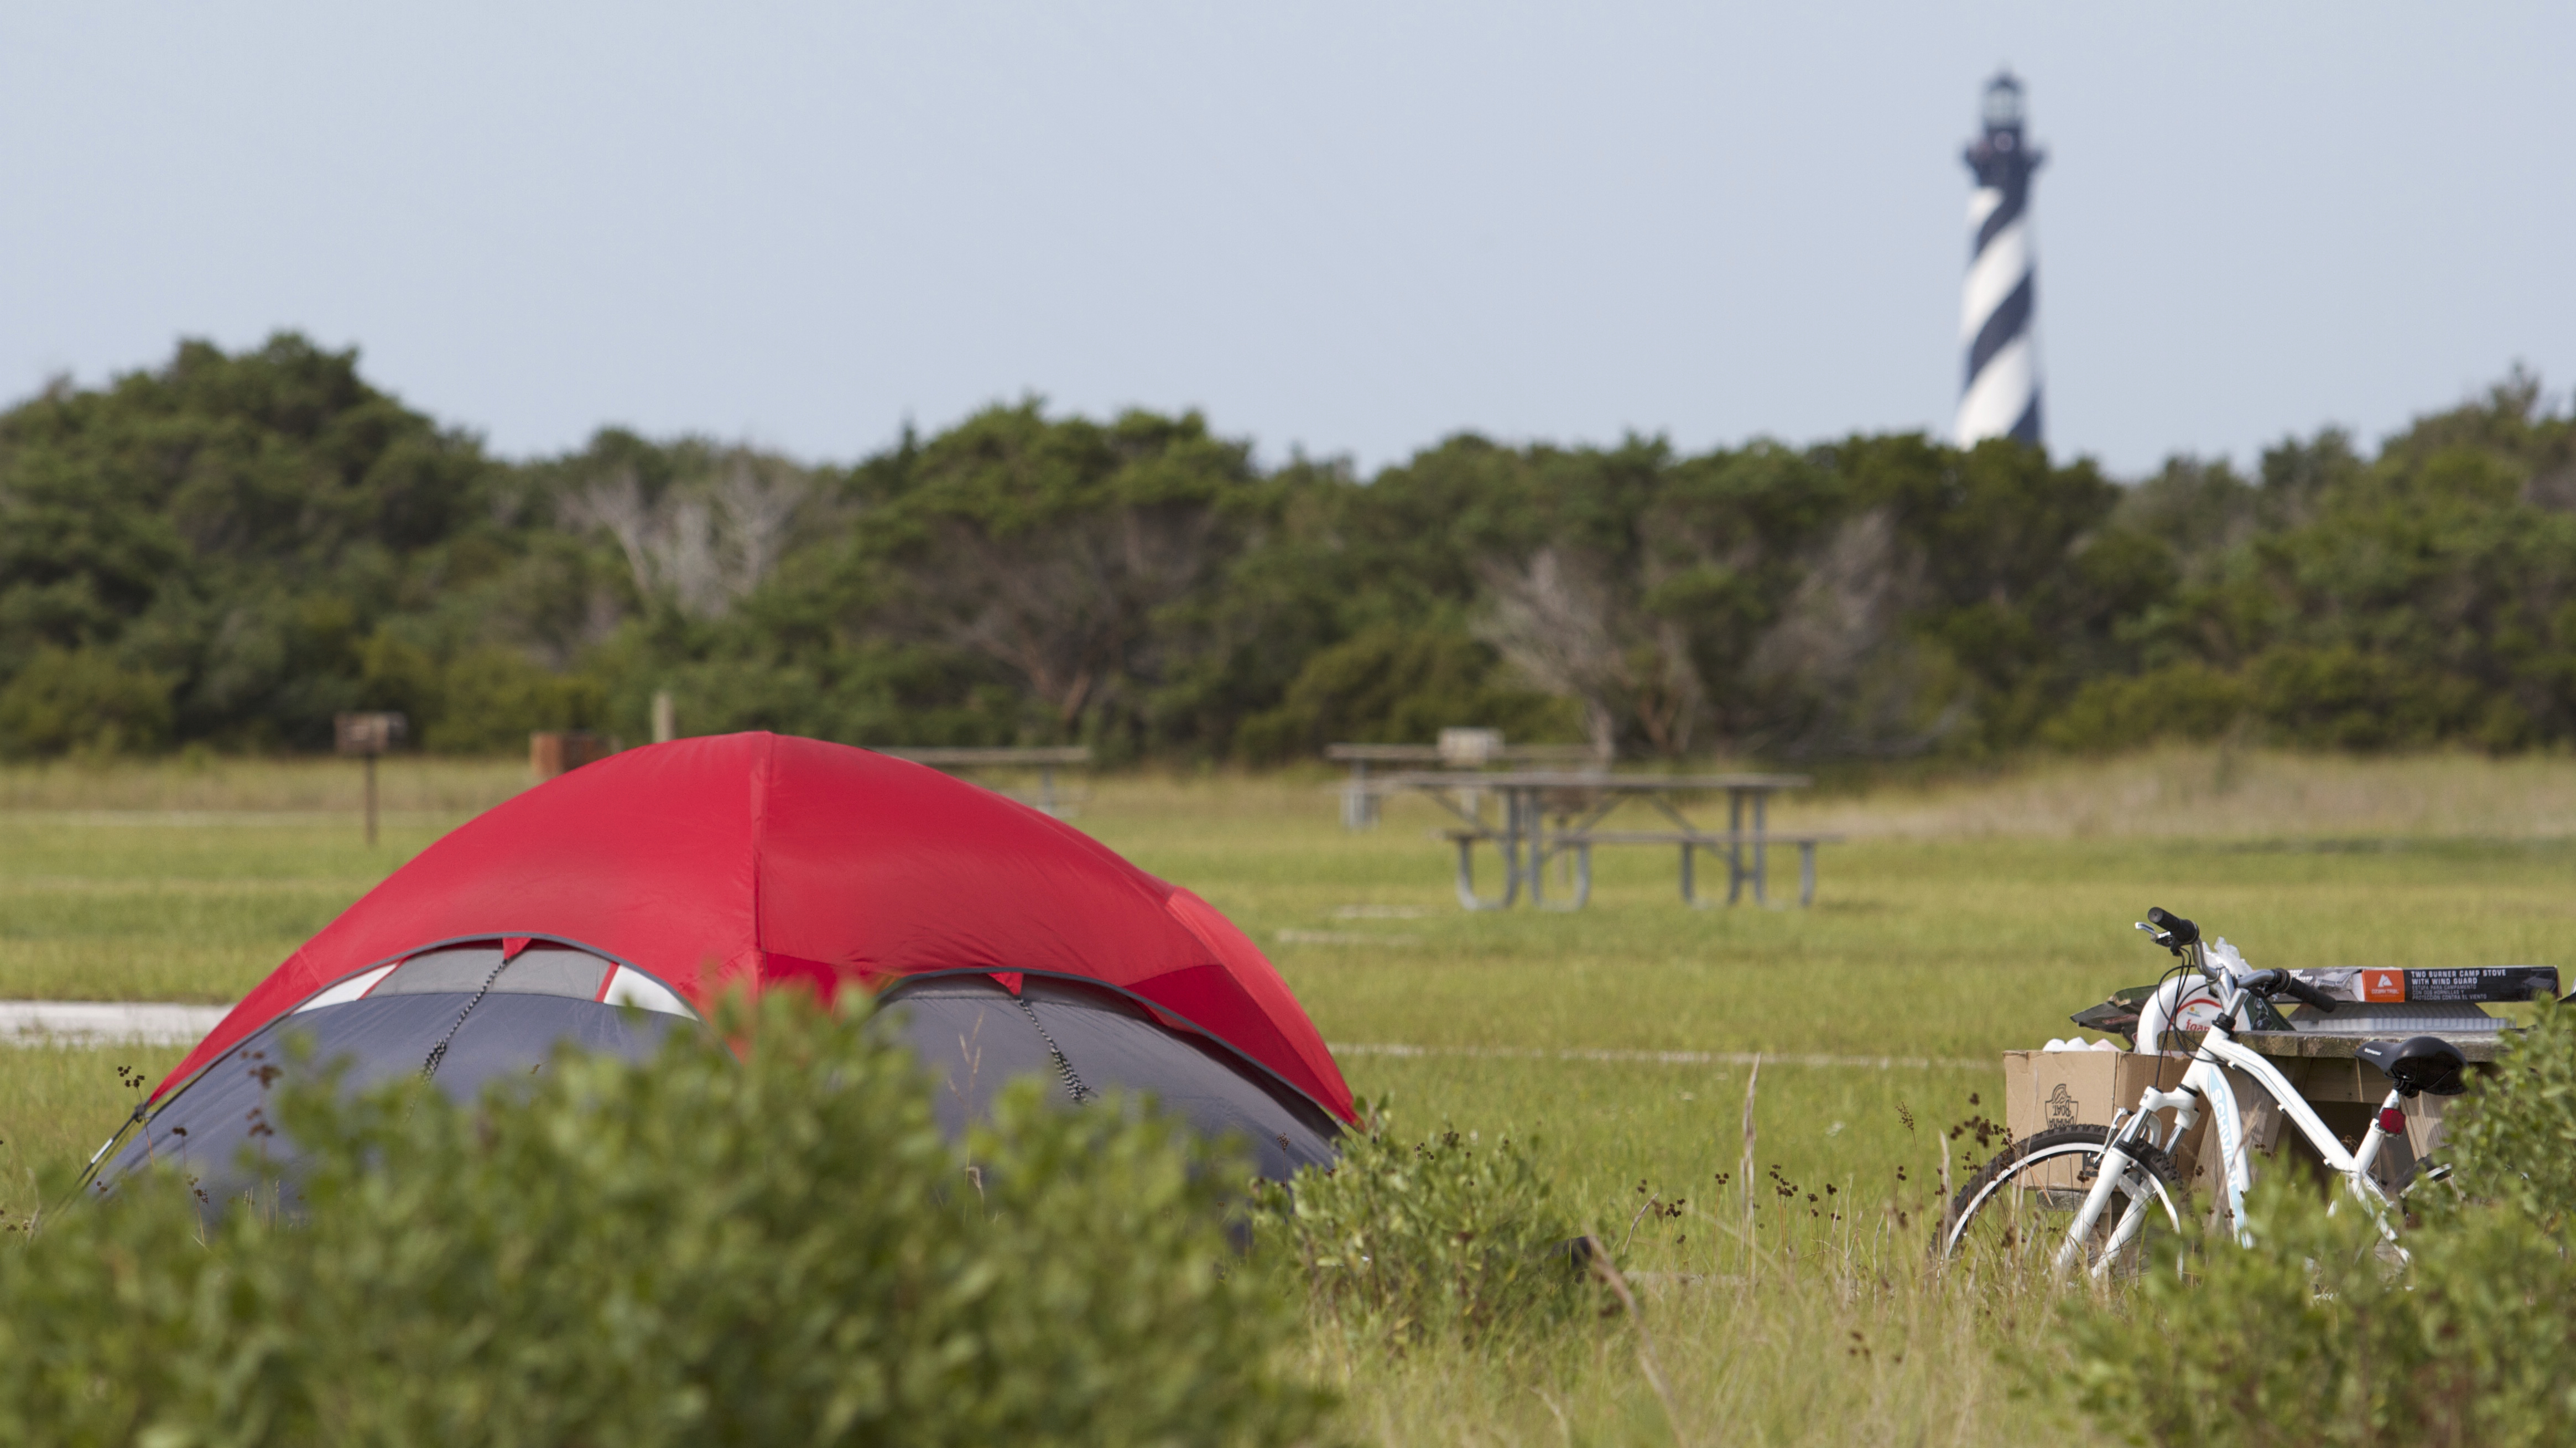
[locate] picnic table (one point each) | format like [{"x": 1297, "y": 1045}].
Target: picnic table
[
  {"x": 2328, "y": 1072},
  {"x": 1360, "y": 802},
  {"x": 1045, "y": 760},
  {"x": 1555, "y": 816}
]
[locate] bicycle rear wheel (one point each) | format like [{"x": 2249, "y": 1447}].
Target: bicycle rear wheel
[{"x": 2017, "y": 1211}]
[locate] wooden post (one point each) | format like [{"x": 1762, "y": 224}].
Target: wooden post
[
  {"x": 666, "y": 725},
  {"x": 367, "y": 736}
]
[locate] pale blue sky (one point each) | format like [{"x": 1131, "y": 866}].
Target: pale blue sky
[{"x": 1351, "y": 228}]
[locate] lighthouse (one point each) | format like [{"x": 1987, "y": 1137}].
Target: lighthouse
[{"x": 2000, "y": 394}]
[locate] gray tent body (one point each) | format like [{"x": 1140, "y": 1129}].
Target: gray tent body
[
  {"x": 974, "y": 1036},
  {"x": 464, "y": 1016}
]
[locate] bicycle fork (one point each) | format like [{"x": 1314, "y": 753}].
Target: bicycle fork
[{"x": 2113, "y": 1168}]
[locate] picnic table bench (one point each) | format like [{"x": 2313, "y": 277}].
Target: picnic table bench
[
  {"x": 1044, "y": 759},
  {"x": 1555, "y": 817}
]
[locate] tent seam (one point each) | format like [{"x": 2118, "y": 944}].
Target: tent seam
[{"x": 759, "y": 843}]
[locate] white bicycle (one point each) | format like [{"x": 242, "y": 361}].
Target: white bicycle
[{"x": 2109, "y": 1199}]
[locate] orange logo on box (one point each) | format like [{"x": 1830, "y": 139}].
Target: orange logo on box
[{"x": 2383, "y": 985}]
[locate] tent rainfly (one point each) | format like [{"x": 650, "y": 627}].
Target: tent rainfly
[{"x": 999, "y": 941}]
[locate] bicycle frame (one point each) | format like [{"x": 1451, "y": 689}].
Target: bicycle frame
[{"x": 2205, "y": 1082}]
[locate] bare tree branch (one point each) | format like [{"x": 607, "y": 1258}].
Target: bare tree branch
[{"x": 698, "y": 549}]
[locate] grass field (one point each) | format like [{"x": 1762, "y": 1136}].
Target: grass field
[{"x": 1964, "y": 916}]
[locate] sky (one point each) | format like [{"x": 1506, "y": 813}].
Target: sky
[{"x": 1346, "y": 229}]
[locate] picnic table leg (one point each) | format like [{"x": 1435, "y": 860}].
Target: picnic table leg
[
  {"x": 1582, "y": 878},
  {"x": 1690, "y": 883},
  {"x": 1761, "y": 862},
  {"x": 1359, "y": 807},
  {"x": 1467, "y": 895},
  {"x": 1529, "y": 838},
  {"x": 1734, "y": 845},
  {"x": 1806, "y": 873},
  {"x": 1526, "y": 836}
]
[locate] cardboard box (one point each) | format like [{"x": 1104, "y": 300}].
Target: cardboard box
[{"x": 2044, "y": 1089}]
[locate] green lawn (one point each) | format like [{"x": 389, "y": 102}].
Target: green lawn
[{"x": 1963, "y": 918}]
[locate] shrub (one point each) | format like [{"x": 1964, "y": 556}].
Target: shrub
[
  {"x": 1444, "y": 1237},
  {"x": 2180, "y": 701},
  {"x": 66, "y": 699},
  {"x": 494, "y": 696},
  {"x": 690, "y": 1250},
  {"x": 2513, "y": 1139},
  {"x": 2316, "y": 1337},
  {"x": 2344, "y": 698}
]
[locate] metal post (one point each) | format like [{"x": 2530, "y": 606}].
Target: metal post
[
  {"x": 1046, "y": 787},
  {"x": 1535, "y": 821},
  {"x": 1734, "y": 844},
  {"x": 1761, "y": 843},
  {"x": 666, "y": 725},
  {"x": 371, "y": 799},
  {"x": 1521, "y": 812}
]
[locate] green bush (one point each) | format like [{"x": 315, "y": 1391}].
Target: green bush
[
  {"x": 67, "y": 699},
  {"x": 2346, "y": 698},
  {"x": 494, "y": 696},
  {"x": 2315, "y": 1336},
  {"x": 2181, "y": 701},
  {"x": 1441, "y": 1238},
  {"x": 692, "y": 1250},
  {"x": 2513, "y": 1139}
]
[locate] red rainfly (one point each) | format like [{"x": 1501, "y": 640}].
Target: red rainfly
[{"x": 756, "y": 859}]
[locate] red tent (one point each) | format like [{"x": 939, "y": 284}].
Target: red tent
[{"x": 663, "y": 875}]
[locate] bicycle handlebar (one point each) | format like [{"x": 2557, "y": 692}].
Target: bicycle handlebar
[
  {"x": 2306, "y": 994},
  {"x": 2171, "y": 931},
  {"x": 2269, "y": 983}
]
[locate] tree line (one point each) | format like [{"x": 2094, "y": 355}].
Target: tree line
[{"x": 228, "y": 549}]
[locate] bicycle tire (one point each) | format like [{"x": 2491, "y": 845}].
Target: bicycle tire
[{"x": 2021, "y": 1204}]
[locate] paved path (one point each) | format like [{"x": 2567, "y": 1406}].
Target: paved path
[{"x": 101, "y": 1023}]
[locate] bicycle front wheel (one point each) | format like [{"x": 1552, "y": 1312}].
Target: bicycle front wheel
[{"x": 2018, "y": 1211}]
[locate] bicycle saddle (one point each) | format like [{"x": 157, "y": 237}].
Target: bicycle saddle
[{"x": 2426, "y": 1064}]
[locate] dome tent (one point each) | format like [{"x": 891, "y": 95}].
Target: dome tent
[{"x": 1000, "y": 941}]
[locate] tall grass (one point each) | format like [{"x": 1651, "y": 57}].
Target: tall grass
[{"x": 57, "y": 1104}]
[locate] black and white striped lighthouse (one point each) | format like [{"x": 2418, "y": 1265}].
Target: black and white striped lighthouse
[{"x": 2000, "y": 397}]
